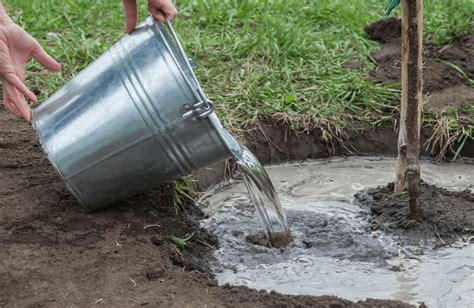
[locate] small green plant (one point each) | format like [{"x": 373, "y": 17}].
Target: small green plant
[
  {"x": 467, "y": 133},
  {"x": 185, "y": 190},
  {"x": 180, "y": 242}
]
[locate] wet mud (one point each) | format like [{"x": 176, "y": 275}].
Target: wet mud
[
  {"x": 446, "y": 215},
  {"x": 279, "y": 240},
  {"x": 337, "y": 248}
]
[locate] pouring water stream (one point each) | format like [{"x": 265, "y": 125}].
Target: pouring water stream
[{"x": 264, "y": 198}]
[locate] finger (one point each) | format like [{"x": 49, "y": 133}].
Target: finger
[
  {"x": 130, "y": 7},
  {"x": 11, "y": 107},
  {"x": 46, "y": 60},
  {"x": 20, "y": 86},
  {"x": 167, "y": 9},
  {"x": 156, "y": 13},
  {"x": 18, "y": 101},
  {"x": 160, "y": 16},
  {"x": 170, "y": 12},
  {"x": 20, "y": 104}
]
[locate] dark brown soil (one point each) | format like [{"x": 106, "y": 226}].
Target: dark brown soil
[
  {"x": 458, "y": 95},
  {"x": 274, "y": 141},
  {"x": 446, "y": 215},
  {"x": 385, "y": 30},
  {"x": 53, "y": 253},
  {"x": 278, "y": 240},
  {"x": 255, "y": 298},
  {"x": 439, "y": 78}
]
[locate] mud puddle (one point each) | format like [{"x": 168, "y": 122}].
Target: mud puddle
[{"x": 334, "y": 249}]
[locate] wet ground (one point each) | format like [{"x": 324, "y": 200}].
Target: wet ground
[
  {"x": 335, "y": 250},
  {"x": 53, "y": 253}
]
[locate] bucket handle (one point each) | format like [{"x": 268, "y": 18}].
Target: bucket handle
[{"x": 205, "y": 106}]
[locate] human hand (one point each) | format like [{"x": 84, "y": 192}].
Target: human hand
[
  {"x": 16, "y": 47},
  {"x": 159, "y": 9}
]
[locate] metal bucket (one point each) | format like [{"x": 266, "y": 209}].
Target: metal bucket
[{"x": 133, "y": 119}]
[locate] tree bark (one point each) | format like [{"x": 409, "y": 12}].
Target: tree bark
[{"x": 408, "y": 166}]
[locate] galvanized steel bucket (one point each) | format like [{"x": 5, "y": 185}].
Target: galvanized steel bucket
[{"x": 133, "y": 119}]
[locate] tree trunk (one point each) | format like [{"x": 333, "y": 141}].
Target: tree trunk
[{"x": 407, "y": 166}]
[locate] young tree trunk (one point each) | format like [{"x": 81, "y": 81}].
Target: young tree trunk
[{"x": 407, "y": 166}]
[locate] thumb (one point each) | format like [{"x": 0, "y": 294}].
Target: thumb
[{"x": 46, "y": 60}]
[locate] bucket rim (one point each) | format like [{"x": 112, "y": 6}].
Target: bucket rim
[
  {"x": 231, "y": 144},
  {"x": 190, "y": 79}
]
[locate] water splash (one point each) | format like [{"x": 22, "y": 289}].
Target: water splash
[{"x": 265, "y": 199}]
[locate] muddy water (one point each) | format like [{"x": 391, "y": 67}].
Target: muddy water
[{"x": 334, "y": 251}]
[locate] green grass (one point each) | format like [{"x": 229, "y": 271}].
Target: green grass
[{"x": 254, "y": 58}]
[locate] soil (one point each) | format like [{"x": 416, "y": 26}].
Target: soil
[
  {"x": 446, "y": 215},
  {"x": 278, "y": 240},
  {"x": 273, "y": 141},
  {"x": 440, "y": 80},
  {"x": 254, "y": 298},
  {"x": 54, "y": 253}
]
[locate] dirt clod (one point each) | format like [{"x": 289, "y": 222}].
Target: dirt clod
[
  {"x": 155, "y": 274},
  {"x": 278, "y": 240},
  {"x": 385, "y": 30},
  {"x": 446, "y": 215}
]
